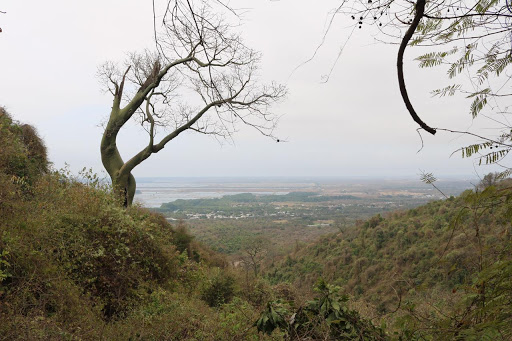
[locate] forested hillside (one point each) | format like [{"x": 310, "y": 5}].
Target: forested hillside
[
  {"x": 441, "y": 270},
  {"x": 76, "y": 264}
]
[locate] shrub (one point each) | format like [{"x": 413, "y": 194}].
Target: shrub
[
  {"x": 220, "y": 289},
  {"x": 24, "y": 154},
  {"x": 324, "y": 318}
]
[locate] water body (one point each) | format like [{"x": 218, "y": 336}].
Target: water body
[{"x": 152, "y": 192}]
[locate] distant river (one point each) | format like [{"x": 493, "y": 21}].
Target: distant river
[{"x": 152, "y": 192}]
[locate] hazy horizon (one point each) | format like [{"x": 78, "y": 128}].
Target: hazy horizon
[
  {"x": 292, "y": 178},
  {"x": 154, "y": 191}
]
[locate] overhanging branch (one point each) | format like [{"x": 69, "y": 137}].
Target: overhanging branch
[{"x": 420, "y": 9}]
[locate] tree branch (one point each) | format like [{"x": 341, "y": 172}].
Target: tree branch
[
  {"x": 420, "y": 8},
  {"x": 118, "y": 95},
  {"x": 146, "y": 88},
  {"x": 175, "y": 133}
]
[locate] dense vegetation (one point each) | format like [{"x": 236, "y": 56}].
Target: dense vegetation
[
  {"x": 439, "y": 271},
  {"x": 227, "y": 200},
  {"x": 75, "y": 264}
]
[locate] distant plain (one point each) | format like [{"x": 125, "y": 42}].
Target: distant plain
[
  {"x": 152, "y": 192},
  {"x": 225, "y": 213}
]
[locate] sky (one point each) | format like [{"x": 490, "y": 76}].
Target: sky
[{"x": 353, "y": 125}]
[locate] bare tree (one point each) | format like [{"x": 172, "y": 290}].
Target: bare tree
[
  {"x": 254, "y": 250},
  {"x": 489, "y": 179},
  {"x": 202, "y": 78}
]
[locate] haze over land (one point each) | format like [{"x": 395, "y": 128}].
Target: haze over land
[{"x": 152, "y": 192}]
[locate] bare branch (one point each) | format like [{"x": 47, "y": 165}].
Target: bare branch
[{"x": 420, "y": 8}]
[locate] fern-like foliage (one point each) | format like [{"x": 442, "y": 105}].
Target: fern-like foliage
[
  {"x": 479, "y": 102},
  {"x": 428, "y": 178},
  {"x": 432, "y": 59},
  {"x": 483, "y": 6},
  {"x": 450, "y": 90},
  {"x": 494, "y": 156},
  {"x": 429, "y": 25},
  {"x": 490, "y": 152},
  {"x": 472, "y": 41},
  {"x": 475, "y": 148},
  {"x": 504, "y": 174}
]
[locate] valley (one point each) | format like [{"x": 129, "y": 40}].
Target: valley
[{"x": 224, "y": 213}]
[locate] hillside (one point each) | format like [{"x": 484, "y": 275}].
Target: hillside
[
  {"x": 447, "y": 263},
  {"x": 76, "y": 265}
]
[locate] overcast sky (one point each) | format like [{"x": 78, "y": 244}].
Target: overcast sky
[{"x": 353, "y": 125}]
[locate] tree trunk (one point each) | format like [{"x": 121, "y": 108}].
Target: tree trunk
[
  {"x": 125, "y": 186},
  {"x": 123, "y": 182}
]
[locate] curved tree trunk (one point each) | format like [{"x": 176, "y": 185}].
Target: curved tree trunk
[
  {"x": 123, "y": 181},
  {"x": 125, "y": 185}
]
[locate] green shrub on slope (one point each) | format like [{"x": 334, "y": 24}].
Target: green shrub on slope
[{"x": 76, "y": 265}]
